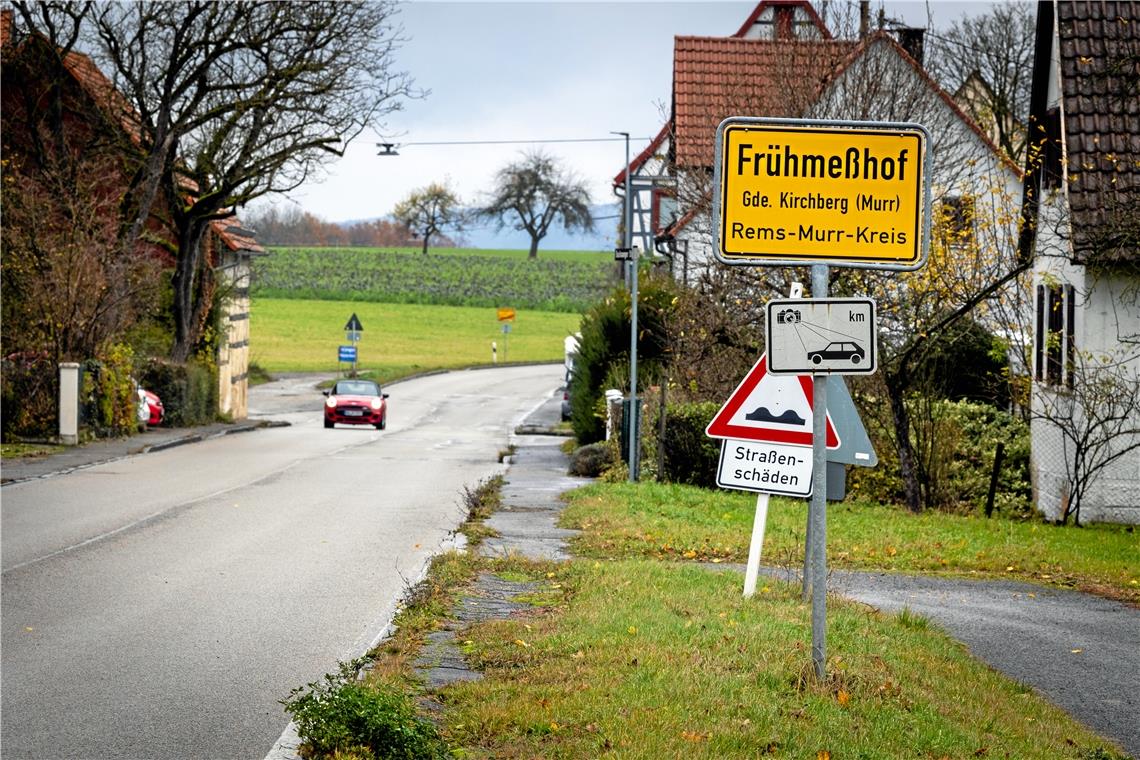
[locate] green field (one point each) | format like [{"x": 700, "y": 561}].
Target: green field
[
  {"x": 568, "y": 281},
  {"x": 291, "y": 335}
]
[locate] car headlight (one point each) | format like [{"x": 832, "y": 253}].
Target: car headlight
[
  {"x": 330, "y": 402},
  {"x": 376, "y": 403}
]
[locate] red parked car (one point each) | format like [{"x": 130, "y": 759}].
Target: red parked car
[
  {"x": 150, "y": 409},
  {"x": 356, "y": 402}
]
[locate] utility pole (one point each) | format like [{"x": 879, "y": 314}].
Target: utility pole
[{"x": 627, "y": 241}]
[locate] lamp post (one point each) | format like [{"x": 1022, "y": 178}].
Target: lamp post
[{"x": 627, "y": 243}]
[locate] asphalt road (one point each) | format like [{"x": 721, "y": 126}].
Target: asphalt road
[
  {"x": 1080, "y": 651},
  {"x": 159, "y": 606}
]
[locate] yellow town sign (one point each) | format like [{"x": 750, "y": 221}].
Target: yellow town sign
[{"x": 845, "y": 193}]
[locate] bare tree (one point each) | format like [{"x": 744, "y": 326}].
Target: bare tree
[
  {"x": 226, "y": 102},
  {"x": 429, "y": 210},
  {"x": 532, "y": 193},
  {"x": 1097, "y": 418},
  {"x": 67, "y": 290},
  {"x": 991, "y": 54}
]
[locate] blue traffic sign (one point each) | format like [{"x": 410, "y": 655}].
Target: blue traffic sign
[{"x": 346, "y": 354}]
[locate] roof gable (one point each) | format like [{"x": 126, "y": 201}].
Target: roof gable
[{"x": 798, "y": 13}]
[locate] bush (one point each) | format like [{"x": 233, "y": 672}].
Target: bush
[
  {"x": 109, "y": 396},
  {"x": 955, "y": 443},
  {"x": 189, "y": 392},
  {"x": 343, "y": 715},
  {"x": 591, "y": 460},
  {"x": 603, "y": 352},
  {"x": 30, "y": 396},
  {"x": 690, "y": 456}
]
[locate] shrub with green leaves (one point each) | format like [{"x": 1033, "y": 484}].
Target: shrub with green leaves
[
  {"x": 340, "y": 715},
  {"x": 109, "y": 391},
  {"x": 603, "y": 351},
  {"x": 189, "y": 391},
  {"x": 689, "y": 456},
  {"x": 955, "y": 443}
]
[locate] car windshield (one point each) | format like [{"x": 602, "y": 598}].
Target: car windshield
[{"x": 356, "y": 388}]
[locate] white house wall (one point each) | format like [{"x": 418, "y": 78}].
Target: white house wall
[{"x": 1106, "y": 319}]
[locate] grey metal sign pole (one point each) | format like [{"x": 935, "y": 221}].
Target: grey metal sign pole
[{"x": 817, "y": 512}]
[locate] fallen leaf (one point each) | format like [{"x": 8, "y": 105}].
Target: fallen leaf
[
  {"x": 892, "y": 551},
  {"x": 843, "y": 698},
  {"x": 554, "y": 726},
  {"x": 694, "y": 736},
  {"x": 632, "y": 630},
  {"x": 522, "y": 643},
  {"x": 823, "y": 755},
  {"x": 1076, "y": 651},
  {"x": 689, "y": 554}
]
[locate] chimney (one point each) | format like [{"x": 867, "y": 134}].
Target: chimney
[{"x": 911, "y": 40}]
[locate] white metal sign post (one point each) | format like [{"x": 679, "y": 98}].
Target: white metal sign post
[
  {"x": 766, "y": 446},
  {"x": 849, "y": 194}
]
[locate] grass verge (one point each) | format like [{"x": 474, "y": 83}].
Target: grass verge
[
  {"x": 628, "y": 653},
  {"x": 652, "y": 520},
  {"x": 22, "y": 450}
]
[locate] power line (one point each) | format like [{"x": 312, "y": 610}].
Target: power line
[
  {"x": 518, "y": 142},
  {"x": 390, "y": 149}
]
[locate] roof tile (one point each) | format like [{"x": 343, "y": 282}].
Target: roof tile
[{"x": 1102, "y": 120}]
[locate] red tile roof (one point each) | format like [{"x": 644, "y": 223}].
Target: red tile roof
[
  {"x": 717, "y": 77},
  {"x": 1098, "y": 44},
  {"x": 235, "y": 237}
]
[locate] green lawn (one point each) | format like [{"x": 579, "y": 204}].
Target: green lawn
[
  {"x": 303, "y": 336},
  {"x": 688, "y": 523}
]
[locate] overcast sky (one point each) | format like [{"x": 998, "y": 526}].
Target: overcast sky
[{"x": 533, "y": 71}]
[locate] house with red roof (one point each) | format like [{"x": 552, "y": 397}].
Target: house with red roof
[
  {"x": 1082, "y": 230},
  {"x": 96, "y": 118},
  {"x": 784, "y": 62}
]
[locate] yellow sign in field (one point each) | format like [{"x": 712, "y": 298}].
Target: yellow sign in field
[
  {"x": 813, "y": 192},
  {"x": 506, "y": 314}
]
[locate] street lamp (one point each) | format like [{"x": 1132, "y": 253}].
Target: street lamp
[{"x": 627, "y": 237}]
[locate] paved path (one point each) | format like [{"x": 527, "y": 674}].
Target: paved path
[{"x": 1082, "y": 652}]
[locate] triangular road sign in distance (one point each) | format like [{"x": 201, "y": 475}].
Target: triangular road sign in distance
[
  {"x": 353, "y": 324},
  {"x": 772, "y": 408}
]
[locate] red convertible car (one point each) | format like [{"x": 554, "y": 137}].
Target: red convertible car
[{"x": 356, "y": 402}]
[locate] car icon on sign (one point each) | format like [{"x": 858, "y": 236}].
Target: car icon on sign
[
  {"x": 838, "y": 350},
  {"x": 788, "y": 316}
]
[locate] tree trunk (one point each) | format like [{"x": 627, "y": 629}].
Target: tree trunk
[
  {"x": 190, "y": 290},
  {"x": 533, "y": 247},
  {"x": 896, "y": 392},
  {"x": 426, "y": 235}
]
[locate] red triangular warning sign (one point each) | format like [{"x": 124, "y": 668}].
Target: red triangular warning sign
[{"x": 772, "y": 408}]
